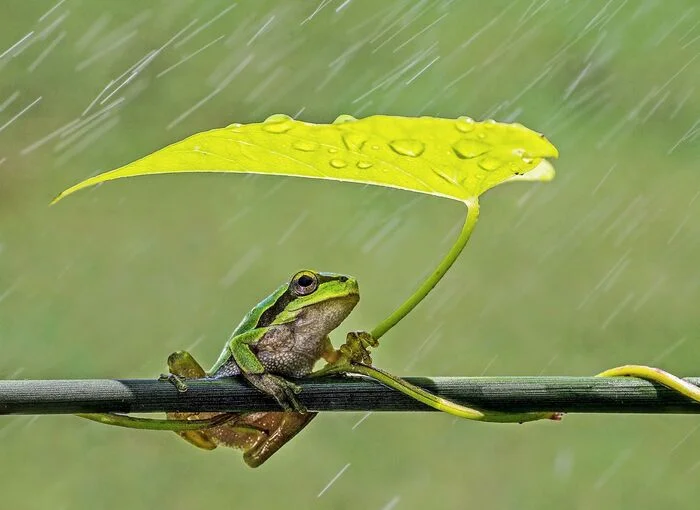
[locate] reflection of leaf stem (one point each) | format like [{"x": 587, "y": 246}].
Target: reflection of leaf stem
[
  {"x": 132, "y": 422},
  {"x": 436, "y": 276}
]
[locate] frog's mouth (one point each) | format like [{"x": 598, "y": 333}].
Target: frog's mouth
[{"x": 353, "y": 296}]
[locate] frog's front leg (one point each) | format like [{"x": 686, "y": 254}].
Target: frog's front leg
[
  {"x": 182, "y": 365},
  {"x": 252, "y": 369}
]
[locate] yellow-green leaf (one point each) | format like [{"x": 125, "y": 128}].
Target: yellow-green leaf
[{"x": 453, "y": 158}]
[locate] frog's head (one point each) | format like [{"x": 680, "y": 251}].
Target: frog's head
[{"x": 324, "y": 299}]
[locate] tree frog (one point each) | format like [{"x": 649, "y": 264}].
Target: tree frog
[{"x": 283, "y": 336}]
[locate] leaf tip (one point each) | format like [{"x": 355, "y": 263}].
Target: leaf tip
[
  {"x": 63, "y": 194},
  {"x": 543, "y": 172},
  {"x": 553, "y": 151},
  {"x": 83, "y": 184}
]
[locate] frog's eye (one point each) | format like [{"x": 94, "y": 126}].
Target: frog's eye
[{"x": 304, "y": 283}]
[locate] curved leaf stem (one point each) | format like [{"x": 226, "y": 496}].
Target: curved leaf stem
[
  {"x": 430, "y": 399},
  {"x": 436, "y": 276},
  {"x": 657, "y": 375}
]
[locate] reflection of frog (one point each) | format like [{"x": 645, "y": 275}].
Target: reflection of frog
[{"x": 283, "y": 336}]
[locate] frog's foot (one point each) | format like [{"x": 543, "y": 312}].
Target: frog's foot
[
  {"x": 356, "y": 347},
  {"x": 182, "y": 366},
  {"x": 355, "y": 350},
  {"x": 175, "y": 380},
  {"x": 283, "y": 391}
]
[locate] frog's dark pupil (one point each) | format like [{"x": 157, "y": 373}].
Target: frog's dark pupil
[{"x": 305, "y": 280}]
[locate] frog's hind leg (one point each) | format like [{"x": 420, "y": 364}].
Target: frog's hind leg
[
  {"x": 277, "y": 428},
  {"x": 182, "y": 365}
]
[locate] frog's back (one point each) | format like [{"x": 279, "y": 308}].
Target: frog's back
[
  {"x": 256, "y": 317},
  {"x": 260, "y": 316}
]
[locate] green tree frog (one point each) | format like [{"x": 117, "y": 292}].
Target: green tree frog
[{"x": 282, "y": 337}]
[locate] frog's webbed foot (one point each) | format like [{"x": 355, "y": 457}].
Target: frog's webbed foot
[
  {"x": 282, "y": 390},
  {"x": 277, "y": 428},
  {"x": 355, "y": 350},
  {"x": 182, "y": 365},
  {"x": 175, "y": 380},
  {"x": 356, "y": 347}
]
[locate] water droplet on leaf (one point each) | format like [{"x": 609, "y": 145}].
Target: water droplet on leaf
[
  {"x": 408, "y": 147},
  {"x": 468, "y": 149},
  {"x": 338, "y": 163},
  {"x": 465, "y": 124},
  {"x": 342, "y": 119},
  {"x": 490, "y": 163},
  {"x": 354, "y": 141},
  {"x": 363, "y": 165},
  {"x": 278, "y": 123},
  {"x": 305, "y": 145},
  {"x": 278, "y": 117},
  {"x": 524, "y": 156},
  {"x": 445, "y": 176}
]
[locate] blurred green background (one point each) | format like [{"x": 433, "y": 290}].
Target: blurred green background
[{"x": 596, "y": 269}]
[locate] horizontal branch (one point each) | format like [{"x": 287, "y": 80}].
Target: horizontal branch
[{"x": 513, "y": 394}]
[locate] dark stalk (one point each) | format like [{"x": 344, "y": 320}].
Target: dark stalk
[{"x": 507, "y": 394}]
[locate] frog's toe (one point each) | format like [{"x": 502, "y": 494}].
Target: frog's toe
[
  {"x": 367, "y": 339},
  {"x": 290, "y": 396},
  {"x": 290, "y": 391},
  {"x": 353, "y": 354},
  {"x": 175, "y": 380},
  {"x": 357, "y": 345},
  {"x": 294, "y": 388},
  {"x": 282, "y": 390}
]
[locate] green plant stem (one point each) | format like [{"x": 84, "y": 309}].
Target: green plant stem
[
  {"x": 436, "y": 276},
  {"x": 430, "y": 399},
  {"x": 657, "y": 375},
  {"x": 444, "y": 405}
]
